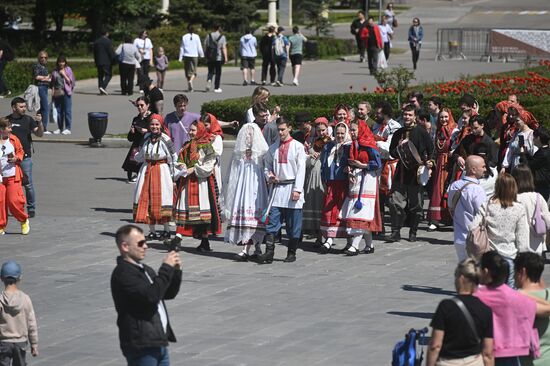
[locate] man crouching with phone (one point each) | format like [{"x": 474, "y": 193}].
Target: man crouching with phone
[{"x": 139, "y": 294}]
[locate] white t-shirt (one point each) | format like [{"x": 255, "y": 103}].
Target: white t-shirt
[
  {"x": 8, "y": 169},
  {"x": 385, "y": 32},
  {"x": 146, "y": 45}
]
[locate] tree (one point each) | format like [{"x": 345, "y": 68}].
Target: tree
[
  {"x": 315, "y": 14},
  {"x": 397, "y": 79},
  {"x": 232, "y": 15}
]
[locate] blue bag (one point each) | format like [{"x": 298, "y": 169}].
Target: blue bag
[{"x": 404, "y": 353}]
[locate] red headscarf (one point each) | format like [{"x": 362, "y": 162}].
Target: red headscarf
[
  {"x": 215, "y": 128},
  {"x": 524, "y": 114},
  {"x": 190, "y": 152},
  {"x": 159, "y": 118},
  {"x": 450, "y": 126},
  {"x": 338, "y": 107},
  {"x": 365, "y": 138}
]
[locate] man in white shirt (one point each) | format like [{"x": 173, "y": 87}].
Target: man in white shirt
[
  {"x": 145, "y": 48},
  {"x": 285, "y": 170},
  {"x": 386, "y": 32},
  {"x": 190, "y": 51}
]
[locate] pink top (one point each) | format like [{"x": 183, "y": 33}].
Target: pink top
[{"x": 513, "y": 320}]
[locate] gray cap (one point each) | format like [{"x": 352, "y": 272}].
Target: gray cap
[{"x": 11, "y": 269}]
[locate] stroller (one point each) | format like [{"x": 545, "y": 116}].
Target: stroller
[{"x": 405, "y": 352}]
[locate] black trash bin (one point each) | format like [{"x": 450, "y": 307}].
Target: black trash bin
[
  {"x": 312, "y": 50},
  {"x": 97, "y": 123}
]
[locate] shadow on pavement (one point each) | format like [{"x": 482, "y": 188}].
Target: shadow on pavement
[
  {"x": 112, "y": 210},
  {"x": 107, "y": 233},
  {"x": 428, "y": 290},
  {"x": 118, "y": 179},
  {"x": 412, "y": 314},
  {"x": 437, "y": 241}
]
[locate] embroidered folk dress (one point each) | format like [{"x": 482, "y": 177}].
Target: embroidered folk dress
[{"x": 154, "y": 193}]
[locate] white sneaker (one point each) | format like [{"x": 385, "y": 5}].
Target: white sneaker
[
  {"x": 66, "y": 132},
  {"x": 47, "y": 133},
  {"x": 103, "y": 91},
  {"x": 295, "y": 82},
  {"x": 57, "y": 132},
  {"x": 217, "y": 90},
  {"x": 208, "y": 85}
]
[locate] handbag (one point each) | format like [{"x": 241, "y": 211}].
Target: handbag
[
  {"x": 538, "y": 223},
  {"x": 394, "y": 23},
  {"x": 58, "y": 93},
  {"x": 477, "y": 241},
  {"x": 133, "y": 152}
]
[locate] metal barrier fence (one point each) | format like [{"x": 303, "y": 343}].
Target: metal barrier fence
[{"x": 463, "y": 43}]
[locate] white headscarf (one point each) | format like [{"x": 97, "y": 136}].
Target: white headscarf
[{"x": 336, "y": 149}]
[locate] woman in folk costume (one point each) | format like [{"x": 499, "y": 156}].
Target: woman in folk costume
[
  {"x": 154, "y": 194},
  {"x": 216, "y": 136},
  {"x": 341, "y": 115},
  {"x": 246, "y": 195},
  {"x": 507, "y": 129},
  {"x": 334, "y": 168},
  {"x": 360, "y": 211},
  {"x": 314, "y": 191},
  {"x": 197, "y": 212},
  {"x": 437, "y": 210}
]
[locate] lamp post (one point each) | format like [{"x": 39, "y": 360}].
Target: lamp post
[{"x": 272, "y": 13}]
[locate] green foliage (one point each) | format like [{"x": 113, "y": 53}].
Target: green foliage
[
  {"x": 396, "y": 79},
  {"x": 232, "y": 15},
  {"x": 315, "y": 14}
]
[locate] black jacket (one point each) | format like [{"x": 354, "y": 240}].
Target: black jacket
[
  {"x": 423, "y": 143},
  {"x": 468, "y": 146},
  {"x": 540, "y": 165},
  {"x": 104, "y": 55},
  {"x": 136, "y": 302}
]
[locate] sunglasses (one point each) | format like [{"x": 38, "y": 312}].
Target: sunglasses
[
  {"x": 141, "y": 243},
  {"x": 141, "y": 105}
]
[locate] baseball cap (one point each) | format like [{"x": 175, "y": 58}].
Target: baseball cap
[{"x": 11, "y": 269}]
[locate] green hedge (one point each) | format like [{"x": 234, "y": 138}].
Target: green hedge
[{"x": 323, "y": 105}]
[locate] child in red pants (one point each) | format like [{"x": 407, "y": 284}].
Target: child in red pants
[{"x": 11, "y": 193}]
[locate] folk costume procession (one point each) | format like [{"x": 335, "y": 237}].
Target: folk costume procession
[{"x": 337, "y": 183}]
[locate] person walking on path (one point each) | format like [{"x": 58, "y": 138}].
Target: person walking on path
[
  {"x": 466, "y": 205},
  {"x": 18, "y": 325},
  {"x": 215, "y": 45},
  {"x": 11, "y": 176},
  {"x": 386, "y": 32},
  {"x": 373, "y": 43},
  {"x": 356, "y": 29},
  {"x": 6, "y": 55},
  {"x": 296, "y": 40},
  {"x": 42, "y": 78},
  {"x": 139, "y": 293},
  {"x": 285, "y": 170},
  {"x": 248, "y": 44},
  {"x": 281, "y": 47},
  {"x": 268, "y": 63},
  {"x": 63, "y": 83},
  {"x": 161, "y": 65},
  {"x": 23, "y": 126},
  {"x": 104, "y": 57},
  {"x": 145, "y": 49},
  {"x": 416, "y": 34},
  {"x": 190, "y": 51},
  {"x": 128, "y": 57}
]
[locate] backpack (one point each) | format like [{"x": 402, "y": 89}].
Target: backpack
[
  {"x": 404, "y": 353},
  {"x": 279, "y": 46},
  {"x": 211, "y": 52}
]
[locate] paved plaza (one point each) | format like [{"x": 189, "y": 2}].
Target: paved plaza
[{"x": 321, "y": 310}]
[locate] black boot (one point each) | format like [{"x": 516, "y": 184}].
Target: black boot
[
  {"x": 394, "y": 237},
  {"x": 267, "y": 257},
  {"x": 415, "y": 220},
  {"x": 291, "y": 253},
  {"x": 204, "y": 246}
]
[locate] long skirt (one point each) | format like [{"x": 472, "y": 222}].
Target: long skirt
[
  {"x": 197, "y": 210},
  {"x": 250, "y": 199},
  {"x": 153, "y": 197},
  {"x": 332, "y": 225},
  {"x": 438, "y": 209},
  {"x": 366, "y": 218},
  {"x": 314, "y": 194}
]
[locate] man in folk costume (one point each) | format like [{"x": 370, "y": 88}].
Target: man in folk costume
[
  {"x": 285, "y": 169},
  {"x": 334, "y": 169},
  {"x": 360, "y": 211},
  {"x": 406, "y": 191},
  {"x": 197, "y": 212},
  {"x": 246, "y": 192},
  {"x": 383, "y": 131},
  {"x": 438, "y": 212},
  {"x": 154, "y": 194},
  {"x": 507, "y": 128}
]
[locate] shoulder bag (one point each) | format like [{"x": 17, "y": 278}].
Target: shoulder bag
[
  {"x": 477, "y": 241},
  {"x": 457, "y": 197},
  {"x": 537, "y": 222}
]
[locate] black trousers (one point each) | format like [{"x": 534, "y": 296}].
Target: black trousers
[
  {"x": 268, "y": 62},
  {"x": 360, "y": 47},
  {"x": 372, "y": 56},
  {"x": 406, "y": 196},
  {"x": 104, "y": 75},
  {"x": 387, "y": 50},
  {"x": 415, "y": 53},
  {"x": 127, "y": 78},
  {"x": 145, "y": 64},
  {"x": 215, "y": 68}
]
